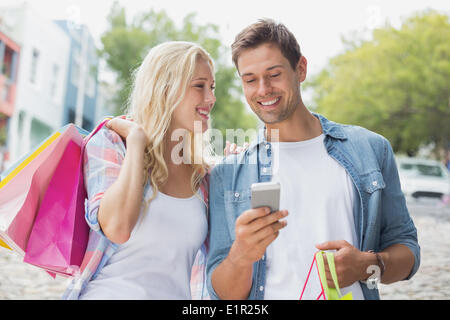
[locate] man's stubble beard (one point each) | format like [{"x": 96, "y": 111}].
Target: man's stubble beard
[{"x": 283, "y": 114}]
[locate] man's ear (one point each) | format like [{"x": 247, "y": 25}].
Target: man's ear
[{"x": 301, "y": 68}]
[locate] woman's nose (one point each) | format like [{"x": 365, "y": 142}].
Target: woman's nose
[{"x": 210, "y": 97}]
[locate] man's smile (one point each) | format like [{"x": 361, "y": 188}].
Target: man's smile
[{"x": 269, "y": 104}]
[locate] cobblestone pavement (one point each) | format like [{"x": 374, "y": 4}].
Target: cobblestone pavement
[
  {"x": 19, "y": 280},
  {"x": 432, "y": 280}
]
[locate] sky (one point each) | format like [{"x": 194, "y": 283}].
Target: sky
[{"x": 318, "y": 25}]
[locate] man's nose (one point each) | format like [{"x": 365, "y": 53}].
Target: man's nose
[{"x": 264, "y": 87}]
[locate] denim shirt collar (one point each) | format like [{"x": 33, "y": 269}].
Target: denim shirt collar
[{"x": 329, "y": 128}]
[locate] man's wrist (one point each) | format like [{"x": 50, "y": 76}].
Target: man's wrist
[
  {"x": 372, "y": 259},
  {"x": 369, "y": 260},
  {"x": 380, "y": 262}
]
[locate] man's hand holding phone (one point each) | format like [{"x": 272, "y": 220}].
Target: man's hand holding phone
[{"x": 255, "y": 229}]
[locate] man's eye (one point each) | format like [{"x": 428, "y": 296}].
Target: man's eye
[
  {"x": 250, "y": 80},
  {"x": 275, "y": 75},
  {"x": 199, "y": 86}
]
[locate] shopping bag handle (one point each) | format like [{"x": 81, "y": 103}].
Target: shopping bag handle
[
  {"x": 307, "y": 278},
  {"x": 104, "y": 121},
  {"x": 328, "y": 293}
]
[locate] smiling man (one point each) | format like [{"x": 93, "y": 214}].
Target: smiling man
[{"x": 339, "y": 190}]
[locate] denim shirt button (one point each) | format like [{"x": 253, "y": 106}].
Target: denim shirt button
[
  {"x": 236, "y": 194},
  {"x": 264, "y": 170},
  {"x": 375, "y": 183},
  {"x": 267, "y": 146},
  {"x": 261, "y": 288}
]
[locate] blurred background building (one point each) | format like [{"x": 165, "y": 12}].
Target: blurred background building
[
  {"x": 81, "y": 81},
  {"x": 49, "y": 77},
  {"x": 9, "y": 55}
]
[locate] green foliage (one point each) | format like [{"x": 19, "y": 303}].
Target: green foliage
[
  {"x": 126, "y": 44},
  {"x": 396, "y": 84}
]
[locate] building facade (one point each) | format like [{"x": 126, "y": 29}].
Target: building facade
[
  {"x": 56, "y": 78},
  {"x": 9, "y": 58},
  {"x": 81, "y": 83}
]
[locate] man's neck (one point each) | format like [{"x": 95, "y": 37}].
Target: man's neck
[{"x": 300, "y": 126}]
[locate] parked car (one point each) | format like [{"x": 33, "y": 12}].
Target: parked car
[{"x": 423, "y": 178}]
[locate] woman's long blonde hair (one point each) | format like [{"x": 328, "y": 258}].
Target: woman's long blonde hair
[{"x": 159, "y": 86}]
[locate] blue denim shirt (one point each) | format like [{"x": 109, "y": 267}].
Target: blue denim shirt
[{"x": 380, "y": 213}]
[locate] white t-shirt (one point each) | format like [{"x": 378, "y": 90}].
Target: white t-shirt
[
  {"x": 318, "y": 194},
  {"x": 156, "y": 262}
]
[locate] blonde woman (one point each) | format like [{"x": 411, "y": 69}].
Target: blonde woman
[{"x": 147, "y": 209}]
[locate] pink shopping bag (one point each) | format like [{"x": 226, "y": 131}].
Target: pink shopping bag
[
  {"x": 23, "y": 188},
  {"x": 59, "y": 237}
]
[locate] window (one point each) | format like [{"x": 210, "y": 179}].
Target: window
[
  {"x": 420, "y": 169},
  {"x": 34, "y": 65},
  {"x": 87, "y": 124},
  {"x": 406, "y": 166},
  {"x": 75, "y": 73},
  {"x": 7, "y": 63},
  {"x": 75, "y": 76},
  {"x": 430, "y": 170},
  {"x": 39, "y": 131},
  {"x": 71, "y": 115},
  {"x": 90, "y": 85},
  {"x": 54, "y": 80}
]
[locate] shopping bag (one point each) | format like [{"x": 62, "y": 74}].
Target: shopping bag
[
  {"x": 23, "y": 187},
  {"x": 3, "y": 244},
  {"x": 59, "y": 237},
  {"x": 30, "y": 162},
  {"x": 326, "y": 293}
]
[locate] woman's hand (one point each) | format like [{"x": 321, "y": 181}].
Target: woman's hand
[
  {"x": 128, "y": 130},
  {"x": 232, "y": 148}
]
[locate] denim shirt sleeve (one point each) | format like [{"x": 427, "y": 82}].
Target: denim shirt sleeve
[
  {"x": 397, "y": 226},
  {"x": 221, "y": 240}
]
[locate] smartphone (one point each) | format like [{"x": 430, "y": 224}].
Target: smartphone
[{"x": 266, "y": 194}]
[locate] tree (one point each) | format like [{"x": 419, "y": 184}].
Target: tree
[
  {"x": 396, "y": 84},
  {"x": 126, "y": 44}
]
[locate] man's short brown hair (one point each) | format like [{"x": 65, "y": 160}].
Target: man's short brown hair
[{"x": 267, "y": 31}]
